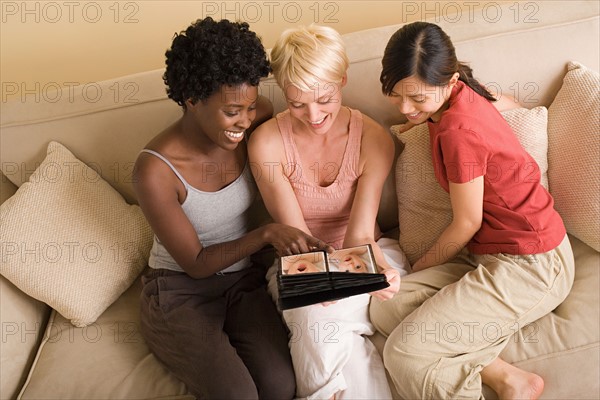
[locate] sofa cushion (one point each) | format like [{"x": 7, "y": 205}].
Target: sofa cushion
[
  {"x": 23, "y": 320},
  {"x": 424, "y": 208},
  {"x": 70, "y": 240},
  {"x": 7, "y": 188},
  {"x": 574, "y": 146},
  {"x": 564, "y": 346},
  {"x": 107, "y": 359}
]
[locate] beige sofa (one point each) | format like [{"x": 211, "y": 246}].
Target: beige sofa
[{"x": 44, "y": 356}]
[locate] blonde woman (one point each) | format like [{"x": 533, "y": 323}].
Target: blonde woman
[{"x": 326, "y": 167}]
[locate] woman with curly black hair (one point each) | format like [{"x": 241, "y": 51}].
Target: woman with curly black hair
[{"x": 205, "y": 312}]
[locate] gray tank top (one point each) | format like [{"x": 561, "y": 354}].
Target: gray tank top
[{"x": 217, "y": 217}]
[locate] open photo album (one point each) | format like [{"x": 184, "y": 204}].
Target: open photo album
[{"x": 316, "y": 277}]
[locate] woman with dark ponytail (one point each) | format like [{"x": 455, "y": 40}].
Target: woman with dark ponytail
[{"x": 504, "y": 260}]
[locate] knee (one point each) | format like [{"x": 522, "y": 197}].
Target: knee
[
  {"x": 380, "y": 317},
  {"x": 396, "y": 360},
  {"x": 405, "y": 352},
  {"x": 402, "y": 370},
  {"x": 279, "y": 382},
  {"x": 277, "y": 390}
]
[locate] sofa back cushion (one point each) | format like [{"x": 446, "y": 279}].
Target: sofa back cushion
[
  {"x": 105, "y": 124},
  {"x": 484, "y": 41},
  {"x": 574, "y": 137}
]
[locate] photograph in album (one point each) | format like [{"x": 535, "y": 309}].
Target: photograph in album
[{"x": 318, "y": 276}]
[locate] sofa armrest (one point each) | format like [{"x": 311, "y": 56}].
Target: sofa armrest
[{"x": 24, "y": 321}]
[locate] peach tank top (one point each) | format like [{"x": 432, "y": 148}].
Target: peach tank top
[{"x": 326, "y": 209}]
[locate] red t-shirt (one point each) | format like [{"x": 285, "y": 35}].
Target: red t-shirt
[{"x": 472, "y": 139}]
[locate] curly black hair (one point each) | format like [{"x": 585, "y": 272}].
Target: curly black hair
[{"x": 210, "y": 54}]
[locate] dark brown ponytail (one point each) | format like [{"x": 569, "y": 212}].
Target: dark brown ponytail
[
  {"x": 424, "y": 50},
  {"x": 466, "y": 75}
]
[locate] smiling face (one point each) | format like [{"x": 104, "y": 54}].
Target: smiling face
[
  {"x": 316, "y": 109},
  {"x": 225, "y": 115},
  {"x": 419, "y": 101},
  {"x": 352, "y": 263}
]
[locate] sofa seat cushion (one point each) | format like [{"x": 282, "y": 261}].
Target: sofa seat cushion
[
  {"x": 108, "y": 359},
  {"x": 23, "y": 319},
  {"x": 564, "y": 346}
]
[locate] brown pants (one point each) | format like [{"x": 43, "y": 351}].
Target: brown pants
[{"x": 222, "y": 336}]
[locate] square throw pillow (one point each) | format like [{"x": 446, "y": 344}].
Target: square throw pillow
[
  {"x": 424, "y": 209},
  {"x": 574, "y": 149},
  {"x": 70, "y": 240}
]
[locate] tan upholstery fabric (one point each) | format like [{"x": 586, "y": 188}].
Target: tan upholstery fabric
[
  {"x": 22, "y": 320},
  {"x": 565, "y": 334},
  {"x": 574, "y": 136},
  {"x": 108, "y": 359},
  {"x": 70, "y": 240},
  {"x": 531, "y": 128},
  {"x": 108, "y": 135},
  {"x": 7, "y": 188},
  {"x": 424, "y": 208}
]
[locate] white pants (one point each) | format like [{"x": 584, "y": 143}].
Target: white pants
[{"x": 330, "y": 351}]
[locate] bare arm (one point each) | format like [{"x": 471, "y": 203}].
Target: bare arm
[
  {"x": 157, "y": 189},
  {"x": 376, "y": 159},
  {"x": 467, "y": 209},
  {"x": 267, "y": 158}
]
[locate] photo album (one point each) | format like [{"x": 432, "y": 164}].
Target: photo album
[{"x": 316, "y": 277}]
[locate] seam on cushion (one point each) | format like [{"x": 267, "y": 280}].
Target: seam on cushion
[
  {"x": 49, "y": 324},
  {"x": 507, "y": 33},
  {"x": 558, "y": 353},
  {"x": 537, "y": 28},
  {"x": 81, "y": 113}
]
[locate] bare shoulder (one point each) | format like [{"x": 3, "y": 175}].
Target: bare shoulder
[
  {"x": 149, "y": 171},
  {"x": 377, "y": 147},
  {"x": 374, "y": 132},
  {"x": 265, "y": 132},
  {"x": 265, "y": 137}
]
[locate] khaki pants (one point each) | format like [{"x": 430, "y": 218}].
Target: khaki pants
[{"x": 450, "y": 321}]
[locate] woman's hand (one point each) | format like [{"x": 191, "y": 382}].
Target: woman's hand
[
  {"x": 393, "y": 278},
  {"x": 288, "y": 240}
]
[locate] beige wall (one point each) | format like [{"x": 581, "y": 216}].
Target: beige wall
[{"x": 48, "y": 44}]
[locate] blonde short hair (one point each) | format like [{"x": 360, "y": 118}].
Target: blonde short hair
[{"x": 304, "y": 55}]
